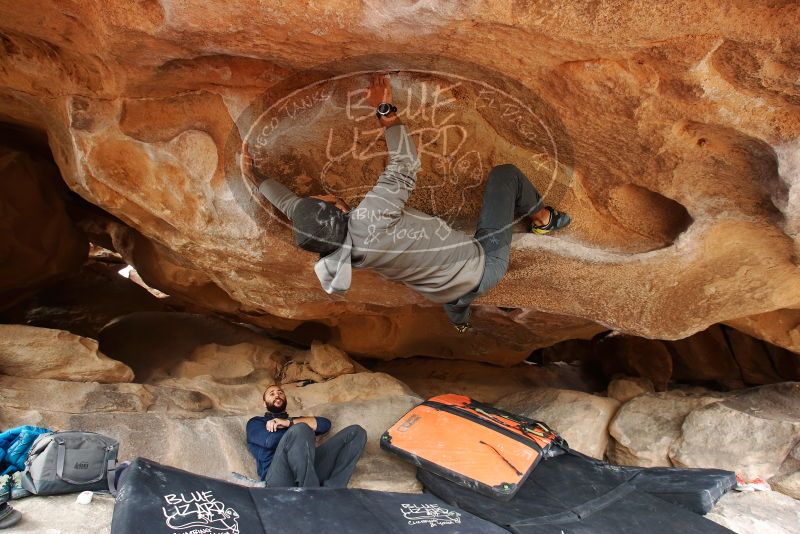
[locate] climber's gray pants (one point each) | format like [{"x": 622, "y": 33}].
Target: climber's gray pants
[{"x": 509, "y": 195}]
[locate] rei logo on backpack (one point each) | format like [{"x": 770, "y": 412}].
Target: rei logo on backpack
[{"x": 68, "y": 462}]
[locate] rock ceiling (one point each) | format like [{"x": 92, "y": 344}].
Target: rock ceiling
[{"x": 670, "y": 133}]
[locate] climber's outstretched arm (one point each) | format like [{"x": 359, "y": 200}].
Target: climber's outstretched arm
[
  {"x": 278, "y": 194},
  {"x": 398, "y": 179}
]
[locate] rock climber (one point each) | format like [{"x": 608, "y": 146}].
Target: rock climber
[
  {"x": 403, "y": 244},
  {"x": 286, "y": 453}
]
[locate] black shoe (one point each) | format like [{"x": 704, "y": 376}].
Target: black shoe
[{"x": 8, "y": 516}]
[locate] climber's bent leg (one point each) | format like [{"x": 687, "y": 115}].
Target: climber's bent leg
[{"x": 509, "y": 195}]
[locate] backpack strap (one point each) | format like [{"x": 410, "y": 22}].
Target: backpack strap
[
  {"x": 60, "y": 457},
  {"x": 111, "y": 475}
]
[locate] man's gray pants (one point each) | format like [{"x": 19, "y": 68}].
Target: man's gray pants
[
  {"x": 299, "y": 463},
  {"x": 508, "y": 197}
]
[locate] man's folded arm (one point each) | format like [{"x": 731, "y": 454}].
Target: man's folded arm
[
  {"x": 257, "y": 434},
  {"x": 279, "y": 196},
  {"x": 319, "y": 425}
]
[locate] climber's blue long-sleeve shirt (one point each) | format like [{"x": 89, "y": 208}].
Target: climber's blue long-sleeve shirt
[{"x": 262, "y": 444}]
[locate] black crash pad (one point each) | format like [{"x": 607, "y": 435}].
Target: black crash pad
[
  {"x": 156, "y": 499},
  {"x": 697, "y": 490},
  {"x": 574, "y": 494}
]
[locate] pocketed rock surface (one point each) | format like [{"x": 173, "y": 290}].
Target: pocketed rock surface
[{"x": 670, "y": 135}]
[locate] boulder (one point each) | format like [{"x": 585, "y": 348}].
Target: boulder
[
  {"x": 792, "y": 462},
  {"x": 329, "y": 361},
  {"x": 300, "y": 371},
  {"x": 320, "y": 363},
  {"x": 759, "y": 512},
  {"x": 644, "y": 428},
  {"x": 32, "y": 352},
  {"x": 788, "y": 484},
  {"x": 582, "y": 419},
  {"x": 232, "y": 377},
  {"x": 752, "y": 432},
  {"x": 625, "y": 388}
]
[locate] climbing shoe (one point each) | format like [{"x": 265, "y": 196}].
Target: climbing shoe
[
  {"x": 557, "y": 221},
  {"x": 463, "y": 327}
]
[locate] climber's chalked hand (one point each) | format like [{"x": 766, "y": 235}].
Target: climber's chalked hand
[
  {"x": 248, "y": 163},
  {"x": 379, "y": 90}
]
